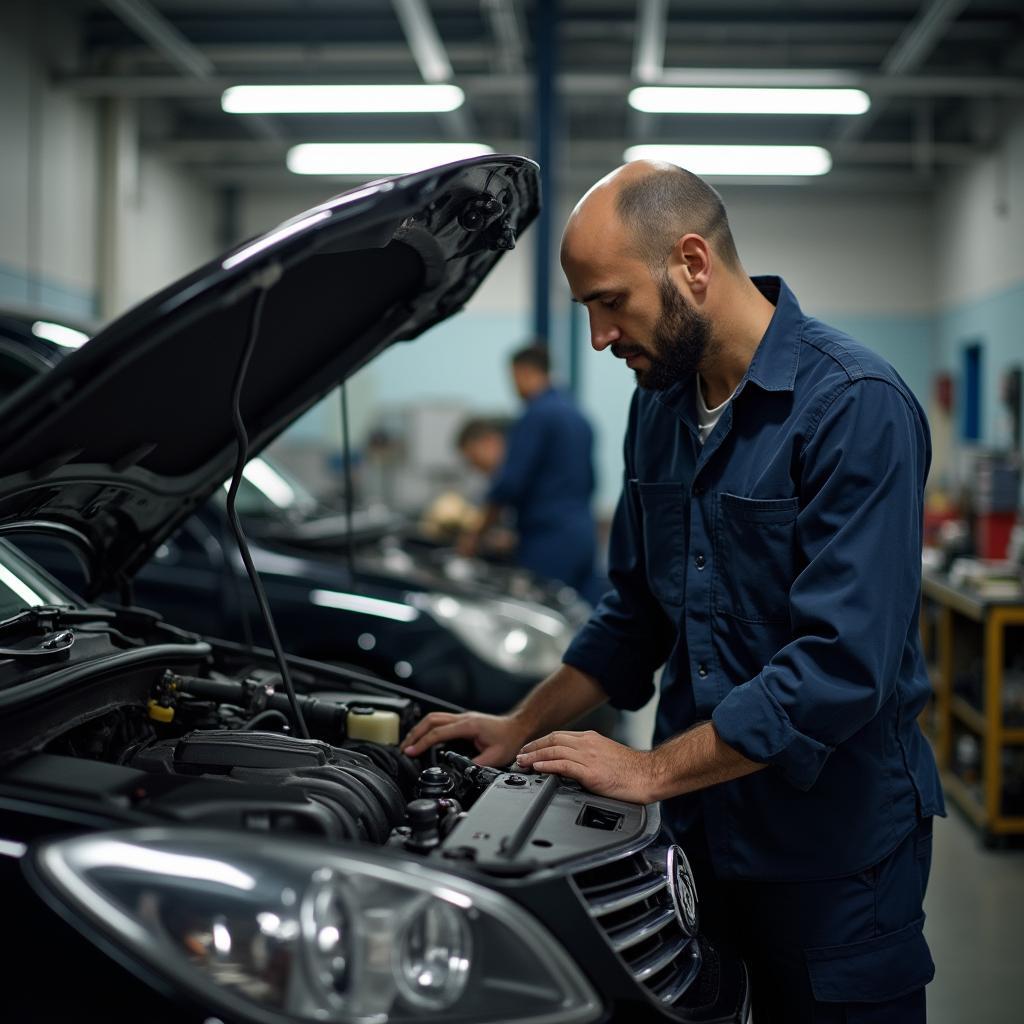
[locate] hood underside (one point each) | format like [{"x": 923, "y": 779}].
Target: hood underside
[{"x": 122, "y": 440}]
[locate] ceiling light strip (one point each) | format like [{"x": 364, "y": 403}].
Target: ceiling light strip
[
  {"x": 341, "y": 99},
  {"x": 739, "y": 161},
  {"x": 656, "y": 99},
  {"x": 367, "y": 158}
]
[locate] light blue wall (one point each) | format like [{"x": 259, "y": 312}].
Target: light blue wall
[
  {"x": 464, "y": 359},
  {"x": 997, "y": 323},
  {"x": 17, "y": 288}
]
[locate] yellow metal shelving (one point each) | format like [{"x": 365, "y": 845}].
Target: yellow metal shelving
[{"x": 953, "y": 606}]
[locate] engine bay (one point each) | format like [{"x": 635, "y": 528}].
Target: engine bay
[{"x": 210, "y": 743}]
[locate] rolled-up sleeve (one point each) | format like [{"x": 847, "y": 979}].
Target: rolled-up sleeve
[
  {"x": 628, "y": 637},
  {"x": 856, "y": 595}
]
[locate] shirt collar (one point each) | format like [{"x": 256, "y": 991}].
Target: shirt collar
[{"x": 773, "y": 367}]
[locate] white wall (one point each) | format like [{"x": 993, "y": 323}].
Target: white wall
[
  {"x": 48, "y": 164},
  {"x": 840, "y": 253},
  {"x": 979, "y": 218},
  {"x": 169, "y": 229},
  {"x": 51, "y": 170}
]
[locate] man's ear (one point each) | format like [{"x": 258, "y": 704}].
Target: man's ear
[{"x": 689, "y": 263}]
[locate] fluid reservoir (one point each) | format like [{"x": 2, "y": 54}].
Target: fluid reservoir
[{"x": 373, "y": 725}]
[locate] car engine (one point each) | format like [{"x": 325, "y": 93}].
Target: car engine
[{"x": 218, "y": 751}]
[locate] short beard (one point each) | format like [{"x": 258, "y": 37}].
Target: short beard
[{"x": 682, "y": 339}]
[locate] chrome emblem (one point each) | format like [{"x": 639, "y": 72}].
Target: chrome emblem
[{"x": 683, "y": 889}]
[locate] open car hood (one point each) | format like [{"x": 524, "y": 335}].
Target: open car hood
[{"x": 120, "y": 442}]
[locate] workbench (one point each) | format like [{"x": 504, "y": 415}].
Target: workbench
[{"x": 963, "y": 633}]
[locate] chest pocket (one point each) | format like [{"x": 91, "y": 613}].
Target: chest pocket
[
  {"x": 755, "y": 557},
  {"x": 664, "y": 518}
]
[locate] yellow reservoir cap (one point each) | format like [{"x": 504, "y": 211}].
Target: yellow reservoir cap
[
  {"x": 373, "y": 725},
  {"x": 159, "y": 713}
]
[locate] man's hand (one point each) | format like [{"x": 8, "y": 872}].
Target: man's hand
[
  {"x": 497, "y": 737},
  {"x": 605, "y": 767},
  {"x": 468, "y": 544}
]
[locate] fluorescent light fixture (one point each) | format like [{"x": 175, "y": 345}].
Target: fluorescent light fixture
[
  {"x": 662, "y": 99},
  {"x": 341, "y": 99},
  {"x": 740, "y": 161},
  {"x": 378, "y": 157},
  {"x": 59, "y": 334},
  {"x": 364, "y": 605}
]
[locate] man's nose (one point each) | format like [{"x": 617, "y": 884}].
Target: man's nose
[{"x": 602, "y": 334}]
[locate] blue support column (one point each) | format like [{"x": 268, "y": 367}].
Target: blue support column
[{"x": 546, "y": 50}]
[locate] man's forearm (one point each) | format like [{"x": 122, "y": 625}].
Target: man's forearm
[
  {"x": 694, "y": 760},
  {"x": 560, "y": 699},
  {"x": 491, "y": 514}
]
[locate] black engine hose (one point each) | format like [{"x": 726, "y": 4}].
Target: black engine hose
[{"x": 265, "y": 716}]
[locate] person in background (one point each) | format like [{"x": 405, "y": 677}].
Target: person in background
[
  {"x": 481, "y": 442},
  {"x": 545, "y": 476}
]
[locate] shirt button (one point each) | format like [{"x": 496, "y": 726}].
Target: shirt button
[
  {"x": 699, "y": 561},
  {"x": 702, "y": 670}
]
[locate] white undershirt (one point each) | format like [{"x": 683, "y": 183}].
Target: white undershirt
[{"x": 707, "y": 418}]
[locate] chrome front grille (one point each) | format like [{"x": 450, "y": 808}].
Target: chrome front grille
[{"x": 631, "y": 902}]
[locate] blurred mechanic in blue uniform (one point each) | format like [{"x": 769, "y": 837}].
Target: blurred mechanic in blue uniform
[
  {"x": 546, "y": 477},
  {"x": 766, "y": 551}
]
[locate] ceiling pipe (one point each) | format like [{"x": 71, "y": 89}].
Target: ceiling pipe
[
  {"x": 648, "y": 57},
  {"x": 431, "y": 58},
  {"x": 908, "y": 53},
  {"x": 165, "y": 39}
]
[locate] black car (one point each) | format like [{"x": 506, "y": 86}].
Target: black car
[
  {"x": 404, "y": 608},
  {"x": 191, "y": 829}
]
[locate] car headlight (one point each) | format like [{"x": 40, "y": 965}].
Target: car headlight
[
  {"x": 281, "y": 930},
  {"x": 511, "y": 635}
]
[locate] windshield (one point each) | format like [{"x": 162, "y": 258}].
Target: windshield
[
  {"x": 267, "y": 490},
  {"x": 24, "y": 585}
]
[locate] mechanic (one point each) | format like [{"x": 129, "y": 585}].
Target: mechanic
[
  {"x": 766, "y": 550},
  {"x": 547, "y": 478}
]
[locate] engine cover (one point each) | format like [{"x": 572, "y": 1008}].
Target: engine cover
[{"x": 364, "y": 801}]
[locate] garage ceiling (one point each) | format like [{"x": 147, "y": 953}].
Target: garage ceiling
[{"x": 942, "y": 75}]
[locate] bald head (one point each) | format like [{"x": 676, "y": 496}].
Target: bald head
[{"x": 655, "y": 204}]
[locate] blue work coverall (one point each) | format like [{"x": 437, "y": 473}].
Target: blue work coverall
[
  {"x": 775, "y": 573},
  {"x": 548, "y": 478}
]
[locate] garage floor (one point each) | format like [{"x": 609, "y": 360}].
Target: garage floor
[
  {"x": 975, "y": 923},
  {"x": 975, "y": 927}
]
